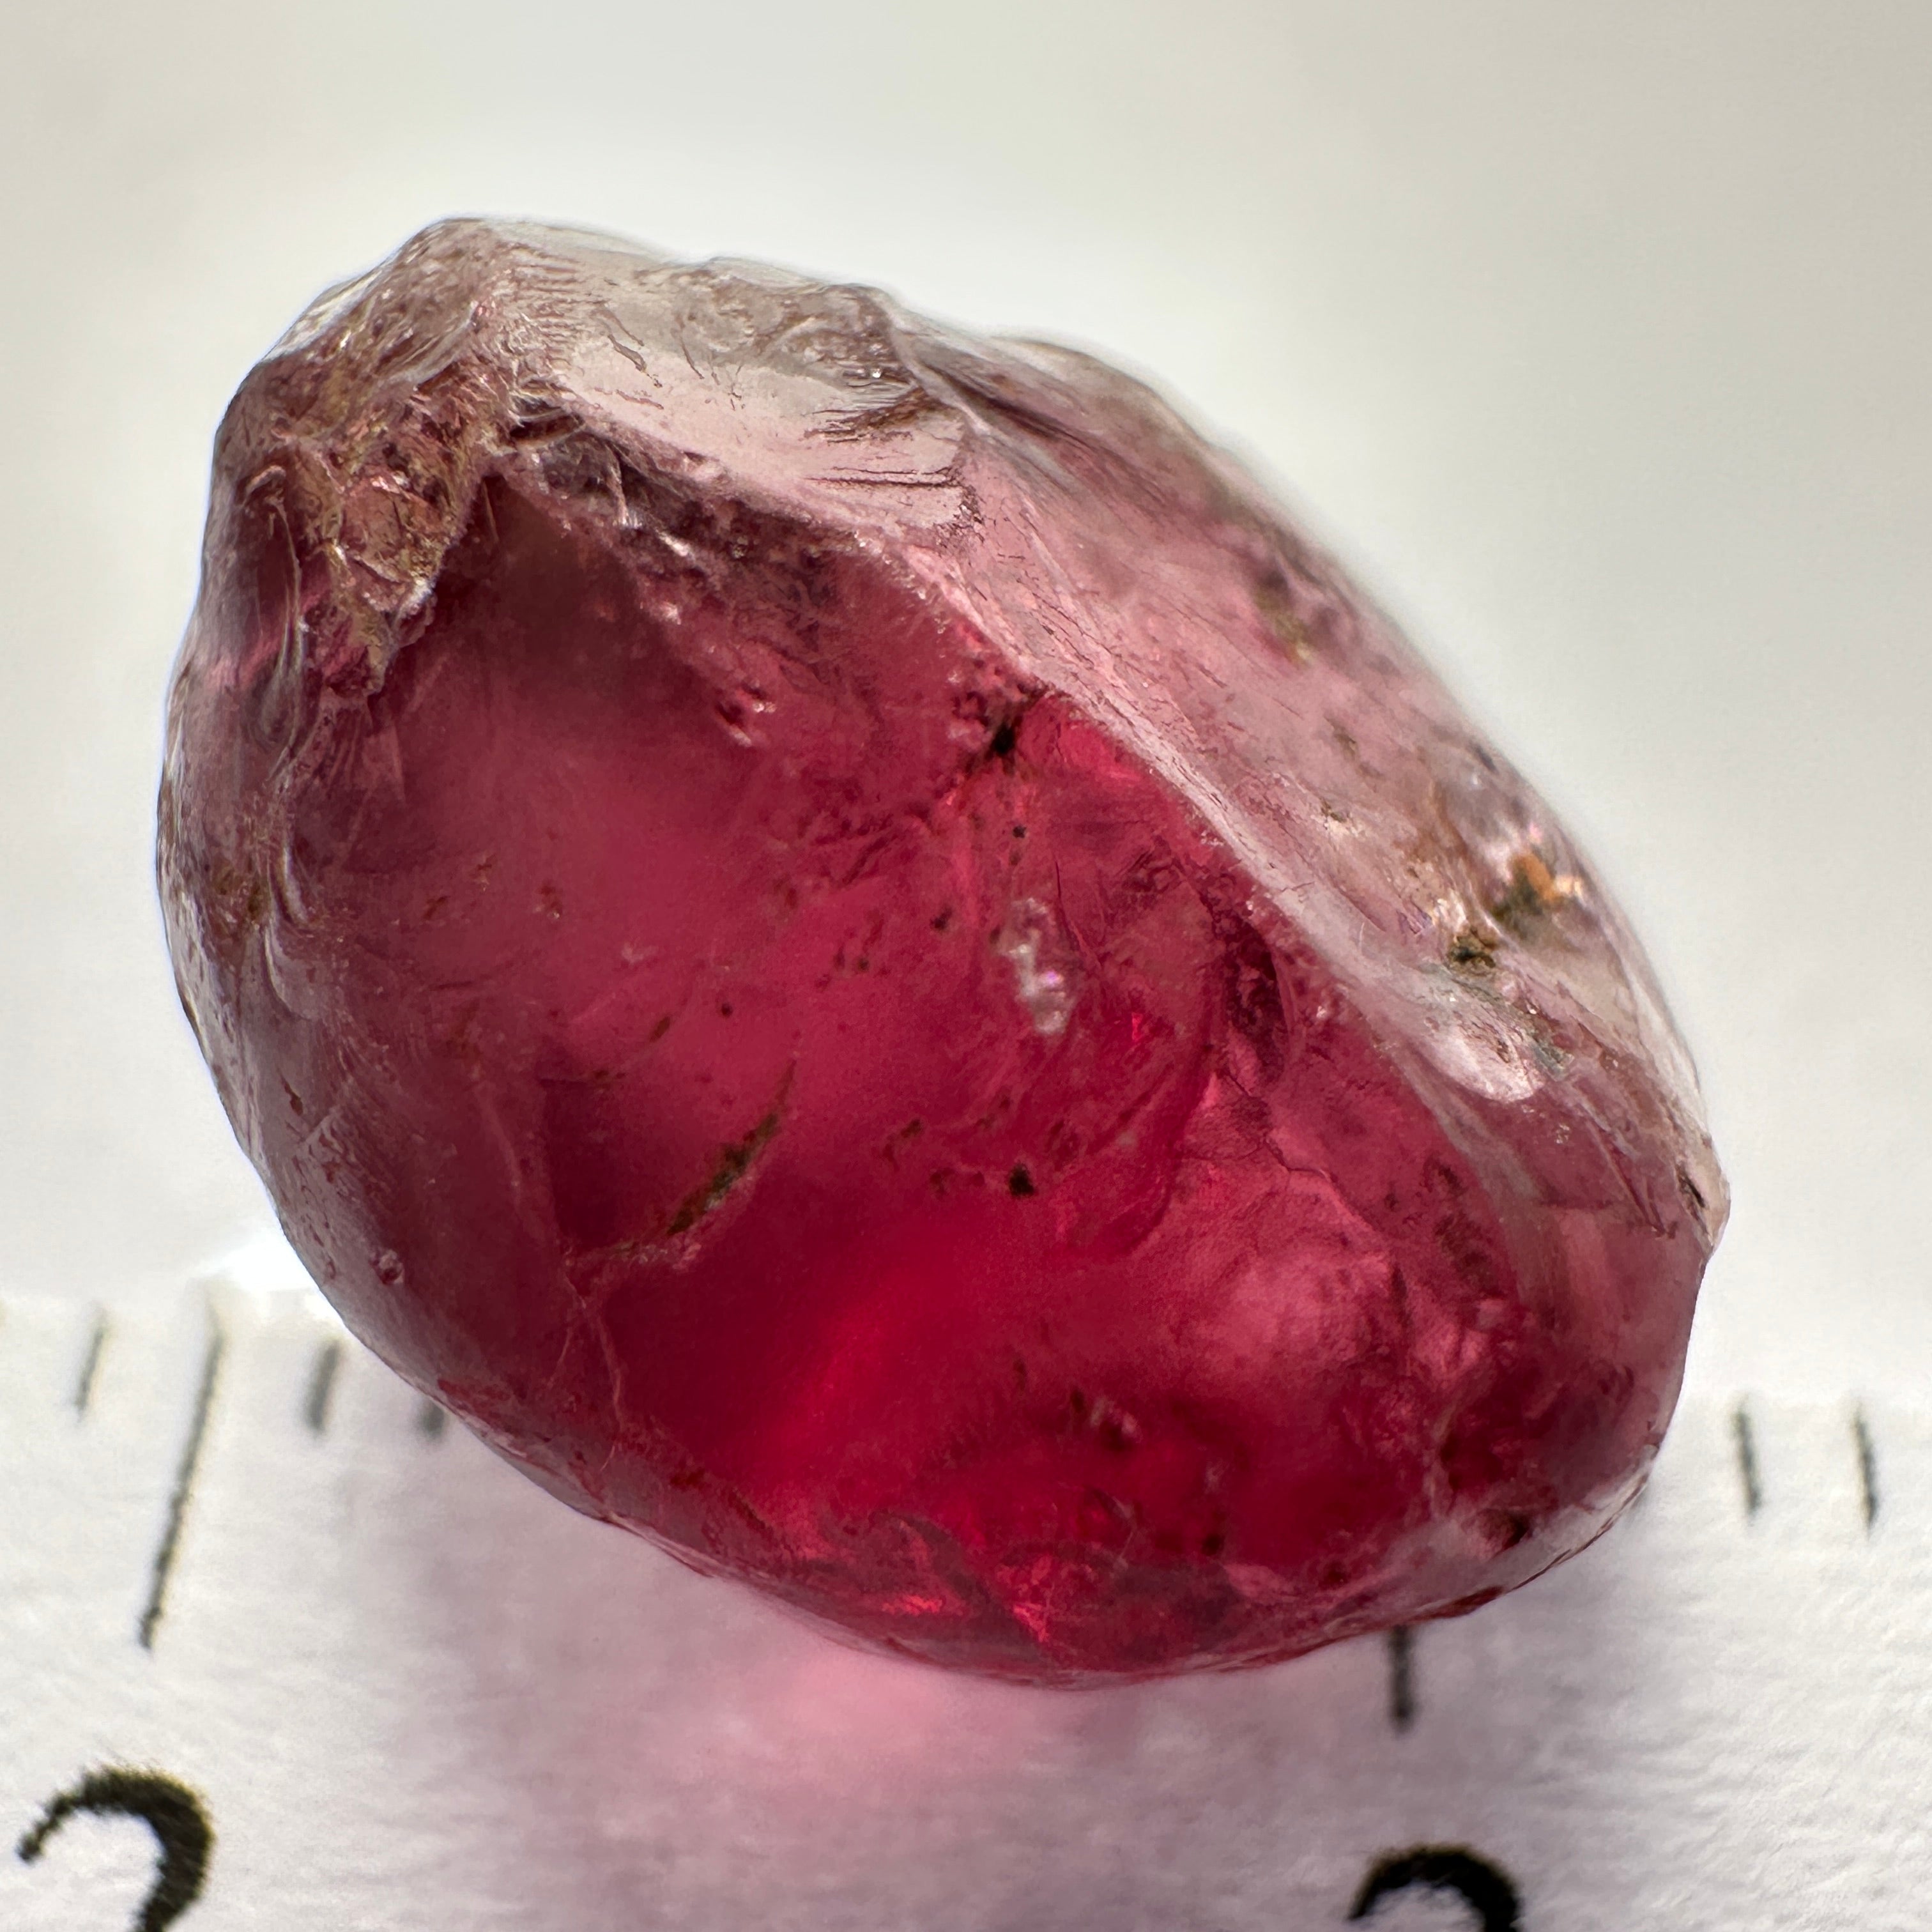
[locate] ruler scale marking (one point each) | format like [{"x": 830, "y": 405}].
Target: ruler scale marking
[
  {"x": 1402, "y": 1676},
  {"x": 90, "y": 1366},
  {"x": 182, "y": 1494},
  {"x": 321, "y": 1386},
  {"x": 1867, "y": 1454},
  {"x": 1745, "y": 1438}
]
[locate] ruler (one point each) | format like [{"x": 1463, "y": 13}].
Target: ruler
[{"x": 280, "y": 1648}]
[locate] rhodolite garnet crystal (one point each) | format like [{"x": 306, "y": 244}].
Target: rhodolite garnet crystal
[{"x": 842, "y": 939}]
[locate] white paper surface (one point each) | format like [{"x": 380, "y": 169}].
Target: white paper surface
[{"x": 411, "y": 1691}]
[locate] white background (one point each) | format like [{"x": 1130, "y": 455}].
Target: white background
[{"x": 1594, "y": 336}]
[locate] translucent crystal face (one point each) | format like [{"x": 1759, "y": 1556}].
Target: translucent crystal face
[{"x": 845, "y": 941}]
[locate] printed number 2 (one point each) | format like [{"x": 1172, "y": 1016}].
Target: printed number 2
[
  {"x": 168, "y": 1808},
  {"x": 1451, "y": 1868}
]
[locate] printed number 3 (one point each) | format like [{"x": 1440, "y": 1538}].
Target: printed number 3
[
  {"x": 1480, "y": 1885},
  {"x": 168, "y": 1808}
]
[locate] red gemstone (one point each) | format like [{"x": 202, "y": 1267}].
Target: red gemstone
[{"x": 842, "y": 939}]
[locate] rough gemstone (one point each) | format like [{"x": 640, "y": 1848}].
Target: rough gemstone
[{"x": 841, "y": 938}]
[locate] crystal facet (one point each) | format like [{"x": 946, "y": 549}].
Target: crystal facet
[{"x": 845, "y": 942}]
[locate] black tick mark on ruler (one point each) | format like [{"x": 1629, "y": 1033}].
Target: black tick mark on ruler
[
  {"x": 1862, "y": 1438},
  {"x": 184, "y": 1490},
  {"x": 1402, "y": 1676},
  {"x": 1746, "y": 1442},
  {"x": 168, "y": 1808},
  {"x": 1482, "y": 1886},
  {"x": 321, "y": 1386},
  {"x": 90, "y": 1366}
]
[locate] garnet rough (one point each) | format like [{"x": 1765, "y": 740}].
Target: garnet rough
[{"x": 839, "y": 937}]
